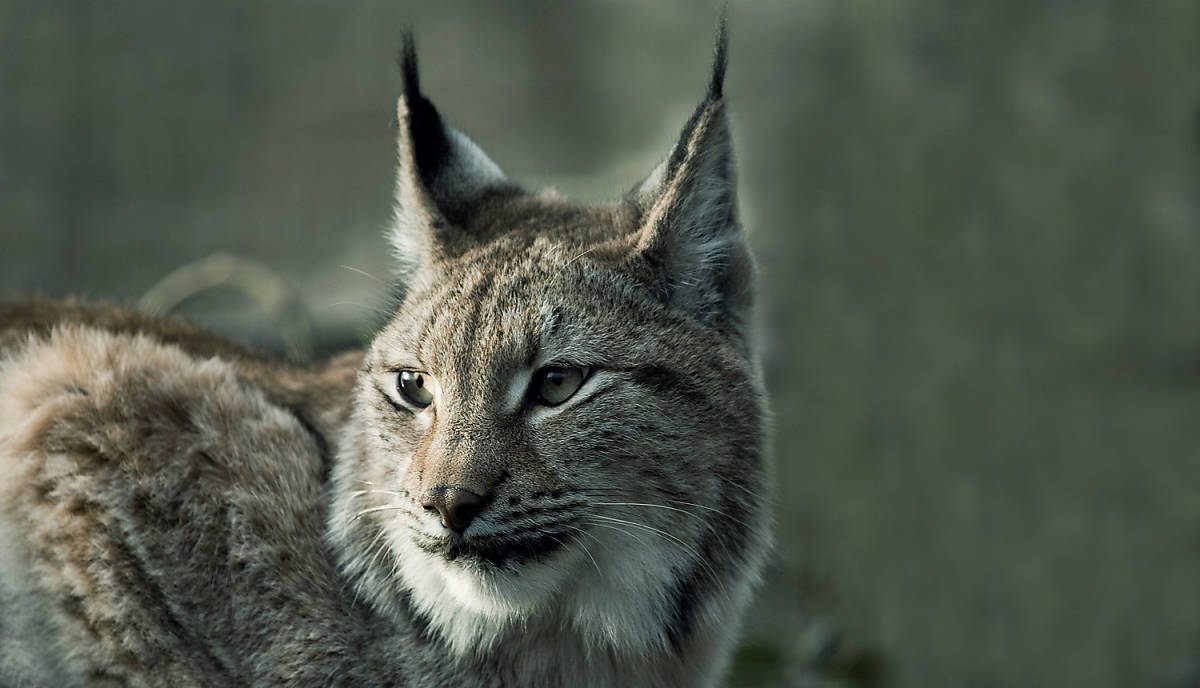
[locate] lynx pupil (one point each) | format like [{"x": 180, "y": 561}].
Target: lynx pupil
[
  {"x": 416, "y": 388},
  {"x": 554, "y": 385}
]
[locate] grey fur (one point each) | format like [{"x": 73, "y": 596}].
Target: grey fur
[{"x": 179, "y": 511}]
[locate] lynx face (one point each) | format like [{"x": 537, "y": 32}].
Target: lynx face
[{"x": 562, "y": 423}]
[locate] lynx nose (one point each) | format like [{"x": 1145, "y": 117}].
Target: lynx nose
[{"x": 456, "y": 505}]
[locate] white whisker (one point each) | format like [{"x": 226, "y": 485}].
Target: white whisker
[
  {"x": 652, "y": 529},
  {"x": 719, "y": 512},
  {"x": 364, "y": 273},
  {"x": 699, "y": 560},
  {"x": 394, "y": 493},
  {"x": 581, "y": 531},
  {"x": 653, "y": 506},
  {"x": 373, "y": 509},
  {"x": 623, "y": 531}
]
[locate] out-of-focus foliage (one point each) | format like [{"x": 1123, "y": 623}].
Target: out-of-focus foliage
[{"x": 979, "y": 235}]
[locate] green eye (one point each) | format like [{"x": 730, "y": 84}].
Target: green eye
[
  {"x": 555, "y": 384},
  {"x": 416, "y": 388}
]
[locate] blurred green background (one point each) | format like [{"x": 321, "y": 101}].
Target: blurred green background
[{"x": 979, "y": 233}]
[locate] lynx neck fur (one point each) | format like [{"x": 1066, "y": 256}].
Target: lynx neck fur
[{"x": 547, "y": 469}]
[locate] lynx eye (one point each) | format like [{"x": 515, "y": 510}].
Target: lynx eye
[
  {"x": 417, "y": 388},
  {"x": 555, "y": 384}
]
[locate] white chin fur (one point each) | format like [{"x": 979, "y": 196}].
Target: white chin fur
[
  {"x": 473, "y": 608},
  {"x": 617, "y": 604},
  {"x": 500, "y": 595}
]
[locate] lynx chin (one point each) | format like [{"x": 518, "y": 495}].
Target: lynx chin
[{"x": 547, "y": 469}]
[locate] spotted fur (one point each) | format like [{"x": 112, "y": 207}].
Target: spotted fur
[{"x": 179, "y": 511}]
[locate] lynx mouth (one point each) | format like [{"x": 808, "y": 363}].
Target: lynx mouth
[{"x": 496, "y": 552}]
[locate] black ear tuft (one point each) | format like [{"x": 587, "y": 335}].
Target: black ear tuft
[
  {"x": 690, "y": 235},
  {"x": 716, "y": 92},
  {"x": 407, "y": 61},
  {"x": 716, "y": 84},
  {"x": 426, "y": 132},
  {"x": 442, "y": 174}
]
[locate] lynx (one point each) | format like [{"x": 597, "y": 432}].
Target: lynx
[{"x": 547, "y": 469}]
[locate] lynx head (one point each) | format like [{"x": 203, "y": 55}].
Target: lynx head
[{"x": 562, "y": 423}]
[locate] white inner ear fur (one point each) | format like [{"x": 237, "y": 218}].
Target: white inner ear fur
[
  {"x": 699, "y": 239},
  {"x": 465, "y": 172},
  {"x": 653, "y": 183},
  {"x": 409, "y": 236}
]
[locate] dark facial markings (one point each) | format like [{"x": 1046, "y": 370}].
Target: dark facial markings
[
  {"x": 465, "y": 323},
  {"x": 392, "y": 402},
  {"x": 499, "y": 552}
]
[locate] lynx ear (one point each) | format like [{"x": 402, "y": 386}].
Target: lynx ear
[
  {"x": 689, "y": 234},
  {"x": 442, "y": 174}
]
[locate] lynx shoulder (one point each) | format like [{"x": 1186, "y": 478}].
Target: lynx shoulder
[{"x": 546, "y": 469}]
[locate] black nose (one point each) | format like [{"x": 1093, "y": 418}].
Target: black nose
[{"x": 457, "y": 506}]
